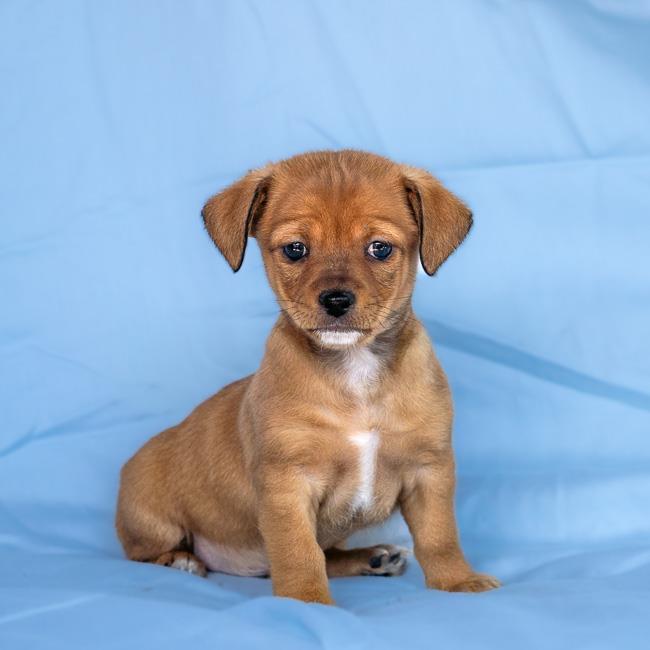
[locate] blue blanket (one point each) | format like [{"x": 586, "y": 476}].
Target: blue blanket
[{"x": 119, "y": 119}]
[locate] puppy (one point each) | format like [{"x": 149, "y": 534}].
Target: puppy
[{"x": 349, "y": 416}]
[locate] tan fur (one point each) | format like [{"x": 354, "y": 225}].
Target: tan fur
[{"x": 270, "y": 473}]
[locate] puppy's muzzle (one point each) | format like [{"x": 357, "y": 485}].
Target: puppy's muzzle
[{"x": 336, "y": 302}]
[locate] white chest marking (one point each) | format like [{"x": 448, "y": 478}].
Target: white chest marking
[
  {"x": 367, "y": 443},
  {"x": 361, "y": 369}
]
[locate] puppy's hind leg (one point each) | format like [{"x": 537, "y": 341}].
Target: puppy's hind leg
[
  {"x": 147, "y": 535},
  {"x": 382, "y": 560},
  {"x": 149, "y": 539}
]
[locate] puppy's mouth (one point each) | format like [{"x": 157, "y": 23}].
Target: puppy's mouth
[{"x": 338, "y": 336}]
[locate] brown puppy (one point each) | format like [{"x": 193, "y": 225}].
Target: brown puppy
[{"x": 349, "y": 416}]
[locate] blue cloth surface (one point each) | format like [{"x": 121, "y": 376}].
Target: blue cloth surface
[{"x": 119, "y": 119}]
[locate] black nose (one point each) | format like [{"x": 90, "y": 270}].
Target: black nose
[{"x": 336, "y": 303}]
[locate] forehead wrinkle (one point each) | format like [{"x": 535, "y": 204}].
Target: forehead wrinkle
[
  {"x": 305, "y": 227},
  {"x": 391, "y": 235}
]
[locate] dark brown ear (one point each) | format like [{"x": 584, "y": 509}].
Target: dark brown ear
[
  {"x": 230, "y": 216},
  {"x": 444, "y": 220}
]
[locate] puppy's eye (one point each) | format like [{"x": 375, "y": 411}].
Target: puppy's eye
[
  {"x": 380, "y": 250},
  {"x": 295, "y": 250}
]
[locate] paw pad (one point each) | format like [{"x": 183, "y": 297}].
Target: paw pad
[{"x": 386, "y": 561}]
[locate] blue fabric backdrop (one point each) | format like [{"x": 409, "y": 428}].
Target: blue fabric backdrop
[{"x": 118, "y": 120}]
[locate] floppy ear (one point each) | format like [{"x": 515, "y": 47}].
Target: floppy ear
[
  {"x": 230, "y": 216},
  {"x": 444, "y": 220}
]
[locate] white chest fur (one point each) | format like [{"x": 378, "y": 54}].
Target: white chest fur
[
  {"x": 361, "y": 370},
  {"x": 366, "y": 442}
]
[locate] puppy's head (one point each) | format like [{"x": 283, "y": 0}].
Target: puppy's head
[{"x": 340, "y": 233}]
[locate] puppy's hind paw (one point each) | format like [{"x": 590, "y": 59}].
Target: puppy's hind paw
[
  {"x": 386, "y": 560},
  {"x": 183, "y": 561}
]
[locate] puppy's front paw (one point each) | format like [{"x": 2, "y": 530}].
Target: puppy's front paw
[
  {"x": 308, "y": 594},
  {"x": 475, "y": 583},
  {"x": 386, "y": 560}
]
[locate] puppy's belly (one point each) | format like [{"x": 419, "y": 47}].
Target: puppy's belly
[{"x": 225, "y": 559}]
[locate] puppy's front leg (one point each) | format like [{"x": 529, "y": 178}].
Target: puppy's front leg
[
  {"x": 288, "y": 526},
  {"x": 429, "y": 512}
]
